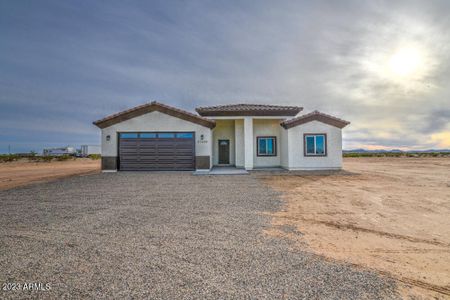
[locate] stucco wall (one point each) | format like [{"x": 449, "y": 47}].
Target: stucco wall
[
  {"x": 156, "y": 121},
  {"x": 239, "y": 142},
  {"x": 284, "y": 147},
  {"x": 289, "y": 142},
  {"x": 224, "y": 130},
  {"x": 266, "y": 127},
  {"x": 297, "y": 160}
]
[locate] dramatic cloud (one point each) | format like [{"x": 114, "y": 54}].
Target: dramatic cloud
[{"x": 383, "y": 65}]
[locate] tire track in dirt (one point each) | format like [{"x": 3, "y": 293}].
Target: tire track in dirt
[
  {"x": 366, "y": 230},
  {"x": 445, "y": 290},
  {"x": 391, "y": 217}
]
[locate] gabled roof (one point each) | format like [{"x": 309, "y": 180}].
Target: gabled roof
[
  {"x": 153, "y": 106},
  {"x": 315, "y": 116},
  {"x": 249, "y": 110}
]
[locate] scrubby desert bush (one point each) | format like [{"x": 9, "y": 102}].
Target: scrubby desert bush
[
  {"x": 396, "y": 154},
  {"x": 64, "y": 157},
  {"x": 46, "y": 158},
  {"x": 94, "y": 156},
  {"x": 8, "y": 157}
]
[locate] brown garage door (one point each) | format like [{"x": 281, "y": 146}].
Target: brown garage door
[{"x": 156, "y": 151}]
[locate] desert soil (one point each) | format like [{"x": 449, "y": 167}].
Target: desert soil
[
  {"x": 163, "y": 235},
  {"x": 388, "y": 214},
  {"x": 23, "y": 172}
]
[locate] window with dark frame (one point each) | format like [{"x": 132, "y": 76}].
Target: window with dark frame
[
  {"x": 128, "y": 135},
  {"x": 146, "y": 135},
  {"x": 166, "y": 135},
  {"x": 266, "y": 146},
  {"x": 315, "y": 144},
  {"x": 185, "y": 135}
]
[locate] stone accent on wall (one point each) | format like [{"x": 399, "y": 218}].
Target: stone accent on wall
[
  {"x": 109, "y": 162},
  {"x": 202, "y": 162}
]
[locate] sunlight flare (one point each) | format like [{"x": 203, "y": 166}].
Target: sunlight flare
[{"x": 406, "y": 61}]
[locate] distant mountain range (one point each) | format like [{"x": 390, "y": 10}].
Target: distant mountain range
[{"x": 395, "y": 151}]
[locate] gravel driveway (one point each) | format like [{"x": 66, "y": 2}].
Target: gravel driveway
[{"x": 162, "y": 235}]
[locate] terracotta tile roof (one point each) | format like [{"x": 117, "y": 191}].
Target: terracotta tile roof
[
  {"x": 315, "y": 116},
  {"x": 249, "y": 110},
  {"x": 149, "y": 107}
]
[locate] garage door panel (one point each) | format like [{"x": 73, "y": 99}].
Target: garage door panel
[
  {"x": 146, "y": 151},
  {"x": 166, "y": 148},
  {"x": 149, "y": 145},
  {"x": 149, "y": 161},
  {"x": 183, "y": 151},
  {"x": 128, "y": 148}
]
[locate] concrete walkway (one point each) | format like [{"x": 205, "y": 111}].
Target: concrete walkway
[{"x": 222, "y": 171}]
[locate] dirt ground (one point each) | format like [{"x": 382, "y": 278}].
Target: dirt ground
[
  {"x": 132, "y": 235},
  {"x": 388, "y": 214},
  {"x": 23, "y": 172}
]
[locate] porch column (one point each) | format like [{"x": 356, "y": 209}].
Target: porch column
[
  {"x": 239, "y": 143},
  {"x": 248, "y": 143}
]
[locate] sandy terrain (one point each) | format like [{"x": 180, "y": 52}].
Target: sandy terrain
[
  {"x": 18, "y": 173},
  {"x": 389, "y": 214}
]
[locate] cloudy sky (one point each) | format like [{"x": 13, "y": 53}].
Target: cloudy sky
[{"x": 383, "y": 65}]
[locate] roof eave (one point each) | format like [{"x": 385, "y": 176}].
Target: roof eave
[
  {"x": 249, "y": 113},
  {"x": 315, "y": 116},
  {"x": 150, "y": 107}
]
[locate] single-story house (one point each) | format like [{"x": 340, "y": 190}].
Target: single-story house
[{"x": 155, "y": 136}]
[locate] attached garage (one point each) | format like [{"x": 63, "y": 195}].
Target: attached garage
[
  {"x": 156, "y": 151},
  {"x": 156, "y": 137}
]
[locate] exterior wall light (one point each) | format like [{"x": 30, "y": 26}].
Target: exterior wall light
[{"x": 108, "y": 138}]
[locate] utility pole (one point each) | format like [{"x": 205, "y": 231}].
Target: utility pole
[{"x": 9, "y": 149}]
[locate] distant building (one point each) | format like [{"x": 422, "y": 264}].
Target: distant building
[
  {"x": 87, "y": 150},
  {"x": 59, "y": 151}
]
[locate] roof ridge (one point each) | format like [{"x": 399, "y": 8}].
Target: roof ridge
[
  {"x": 180, "y": 110},
  {"x": 247, "y": 109},
  {"x": 335, "y": 121},
  {"x": 156, "y": 104},
  {"x": 246, "y": 104}
]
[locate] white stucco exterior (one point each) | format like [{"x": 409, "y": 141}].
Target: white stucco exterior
[
  {"x": 296, "y": 158},
  {"x": 243, "y": 144},
  {"x": 290, "y": 147},
  {"x": 157, "y": 121},
  {"x": 248, "y": 143},
  {"x": 265, "y": 128},
  {"x": 224, "y": 130},
  {"x": 242, "y": 133},
  {"x": 284, "y": 148},
  {"x": 239, "y": 142}
]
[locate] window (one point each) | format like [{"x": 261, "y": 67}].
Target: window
[
  {"x": 185, "y": 135},
  {"x": 148, "y": 135},
  {"x": 315, "y": 144},
  {"x": 267, "y": 146},
  {"x": 129, "y": 135},
  {"x": 166, "y": 135}
]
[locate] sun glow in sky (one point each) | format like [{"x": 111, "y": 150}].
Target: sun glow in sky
[
  {"x": 405, "y": 62},
  {"x": 406, "y": 66}
]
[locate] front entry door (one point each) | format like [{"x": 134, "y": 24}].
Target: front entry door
[{"x": 224, "y": 152}]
